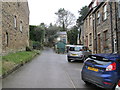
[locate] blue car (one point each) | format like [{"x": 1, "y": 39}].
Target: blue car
[{"x": 102, "y": 70}]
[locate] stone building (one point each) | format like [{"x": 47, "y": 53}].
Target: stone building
[
  {"x": 102, "y": 27},
  {"x": 62, "y": 36},
  {"x": 15, "y": 26}
]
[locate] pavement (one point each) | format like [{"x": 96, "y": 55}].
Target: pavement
[{"x": 48, "y": 70}]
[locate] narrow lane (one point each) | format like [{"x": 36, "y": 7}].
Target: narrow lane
[{"x": 48, "y": 70}]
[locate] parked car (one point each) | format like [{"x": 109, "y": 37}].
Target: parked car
[
  {"x": 118, "y": 86},
  {"x": 78, "y": 52},
  {"x": 102, "y": 70}
]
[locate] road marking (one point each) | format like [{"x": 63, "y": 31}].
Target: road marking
[{"x": 70, "y": 80}]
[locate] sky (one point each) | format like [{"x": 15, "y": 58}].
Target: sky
[{"x": 43, "y": 11}]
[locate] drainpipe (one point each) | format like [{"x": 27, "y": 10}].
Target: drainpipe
[
  {"x": 116, "y": 27},
  {"x": 111, "y": 23},
  {"x": 95, "y": 33}
]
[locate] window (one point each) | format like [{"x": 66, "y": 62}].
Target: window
[
  {"x": 21, "y": 27},
  {"x": 98, "y": 17},
  {"x": 99, "y": 43},
  {"x": 115, "y": 46},
  {"x": 15, "y": 22},
  {"x": 106, "y": 39},
  {"x": 6, "y": 39},
  {"x": 119, "y": 9},
  {"x": 90, "y": 20},
  {"x": 90, "y": 39},
  {"x": 75, "y": 48},
  {"x": 105, "y": 12},
  {"x": 86, "y": 40}
]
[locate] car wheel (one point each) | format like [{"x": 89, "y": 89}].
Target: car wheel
[
  {"x": 69, "y": 60},
  {"x": 87, "y": 83}
]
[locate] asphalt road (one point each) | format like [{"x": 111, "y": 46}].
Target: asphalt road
[{"x": 48, "y": 70}]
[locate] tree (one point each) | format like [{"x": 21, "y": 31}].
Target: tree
[
  {"x": 37, "y": 35},
  {"x": 51, "y": 33},
  {"x": 32, "y": 32},
  {"x": 73, "y": 35},
  {"x": 83, "y": 12},
  {"x": 65, "y": 18}
]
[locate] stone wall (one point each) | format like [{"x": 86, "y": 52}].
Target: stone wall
[
  {"x": 15, "y": 37},
  {"x": 101, "y": 42}
]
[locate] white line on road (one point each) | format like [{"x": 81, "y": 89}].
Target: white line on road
[{"x": 70, "y": 79}]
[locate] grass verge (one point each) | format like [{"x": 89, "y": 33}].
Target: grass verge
[{"x": 14, "y": 59}]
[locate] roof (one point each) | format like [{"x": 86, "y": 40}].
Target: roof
[
  {"x": 77, "y": 46},
  {"x": 93, "y": 9},
  {"x": 61, "y": 33}
]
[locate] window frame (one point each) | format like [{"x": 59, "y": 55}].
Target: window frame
[
  {"x": 105, "y": 12},
  {"x": 98, "y": 17},
  {"x": 119, "y": 9},
  {"x": 90, "y": 39},
  {"x": 21, "y": 26},
  {"x": 15, "y": 22},
  {"x": 105, "y": 39}
]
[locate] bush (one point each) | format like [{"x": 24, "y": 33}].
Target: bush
[
  {"x": 29, "y": 48},
  {"x": 37, "y": 45}
]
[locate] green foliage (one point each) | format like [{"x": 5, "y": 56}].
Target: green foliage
[
  {"x": 83, "y": 12},
  {"x": 72, "y": 35},
  {"x": 37, "y": 45},
  {"x": 37, "y": 34},
  {"x": 13, "y": 59},
  {"x": 51, "y": 34},
  {"x": 32, "y": 32},
  {"x": 23, "y": 56}
]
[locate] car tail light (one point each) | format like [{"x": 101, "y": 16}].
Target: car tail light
[
  {"x": 119, "y": 83},
  {"x": 111, "y": 67}
]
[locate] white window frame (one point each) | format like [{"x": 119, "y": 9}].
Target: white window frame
[
  {"x": 119, "y": 8},
  {"x": 98, "y": 17},
  {"x": 21, "y": 26},
  {"x": 15, "y": 21},
  {"x": 90, "y": 20},
  {"x": 105, "y": 11},
  {"x": 115, "y": 46}
]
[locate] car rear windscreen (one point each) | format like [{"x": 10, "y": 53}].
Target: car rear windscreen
[
  {"x": 75, "y": 48},
  {"x": 97, "y": 60}
]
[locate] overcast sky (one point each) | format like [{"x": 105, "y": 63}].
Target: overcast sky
[{"x": 44, "y": 10}]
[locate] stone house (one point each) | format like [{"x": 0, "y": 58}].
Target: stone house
[
  {"x": 62, "y": 36},
  {"x": 15, "y": 26},
  {"x": 102, "y": 27}
]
